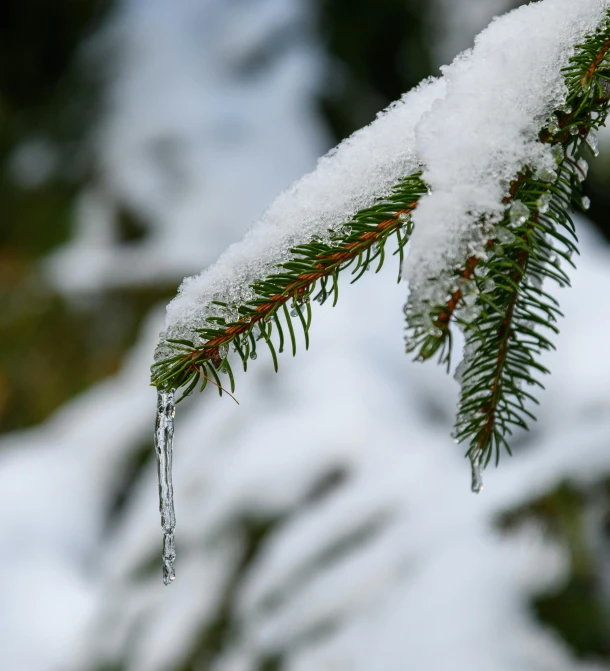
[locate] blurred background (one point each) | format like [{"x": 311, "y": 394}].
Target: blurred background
[{"x": 325, "y": 524}]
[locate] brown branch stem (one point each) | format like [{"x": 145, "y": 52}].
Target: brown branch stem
[{"x": 326, "y": 265}]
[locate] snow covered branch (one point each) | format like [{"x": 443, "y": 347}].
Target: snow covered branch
[{"x": 482, "y": 167}]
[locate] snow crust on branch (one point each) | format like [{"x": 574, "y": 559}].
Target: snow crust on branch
[
  {"x": 477, "y": 138},
  {"x": 349, "y": 178}
]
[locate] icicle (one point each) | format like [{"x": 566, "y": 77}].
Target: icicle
[
  {"x": 477, "y": 474},
  {"x": 164, "y": 434},
  {"x": 593, "y": 142}
]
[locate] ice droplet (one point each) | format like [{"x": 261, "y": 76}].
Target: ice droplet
[
  {"x": 470, "y": 313},
  {"x": 470, "y": 292},
  {"x": 477, "y": 474},
  {"x": 504, "y": 236},
  {"x": 543, "y": 203},
  {"x": 586, "y": 203},
  {"x": 488, "y": 286},
  {"x": 558, "y": 153},
  {"x": 583, "y": 170},
  {"x": 164, "y": 435},
  {"x": 223, "y": 350},
  {"x": 593, "y": 142},
  {"x": 552, "y": 126},
  {"x": 519, "y": 212},
  {"x": 546, "y": 175},
  {"x": 253, "y": 356}
]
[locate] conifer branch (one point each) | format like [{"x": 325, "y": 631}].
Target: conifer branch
[
  {"x": 498, "y": 298},
  {"x": 312, "y": 272}
]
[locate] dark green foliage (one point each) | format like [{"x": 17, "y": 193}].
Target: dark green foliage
[
  {"x": 379, "y": 49},
  {"x": 575, "y": 517}
]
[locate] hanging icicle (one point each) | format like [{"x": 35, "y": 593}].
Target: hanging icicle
[
  {"x": 477, "y": 474},
  {"x": 164, "y": 434}
]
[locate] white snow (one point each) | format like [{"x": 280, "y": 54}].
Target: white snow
[
  {"x": 485, "y": 129},
  {"x": 349, "y": 178}
]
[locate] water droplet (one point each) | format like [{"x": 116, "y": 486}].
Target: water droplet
[
  {"x": 477, "y": 474},
  {"x": 488, "y": 286},
  {"x": 582, "y": 169},
  {"x": 552, "y": 126},
  {"x": 503, "y": 235},
  {"x": 470, "y": 313},
  {"x": 223, "y": 350},
  {"x": 294, "y": 312},
  {"x": 164, "y": 434},
  {"x": 470, "y": 292},
  {"x": 519, "y": 212},
  {"x": 546, "y": 175},
  {"x": 574, "y": 130},
  {"x": 558, "y": 153},
  {"x": 586, "y": 203},
  {"x": 253, "y": 356},
  {"x": 544, "y": 202},
  {"x": 593, "y": 142}
]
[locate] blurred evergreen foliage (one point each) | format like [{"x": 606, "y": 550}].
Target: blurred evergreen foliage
[
  {"x": 379, "y": 49},
  {"x": 51, "y": 349}
]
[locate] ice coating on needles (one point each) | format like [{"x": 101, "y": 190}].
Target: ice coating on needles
[
  {"x": 365, "y": 166},
  {"x": 478, "y": 136}
]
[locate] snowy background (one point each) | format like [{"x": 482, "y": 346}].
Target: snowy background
[{"x": 325, "y": 524}]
